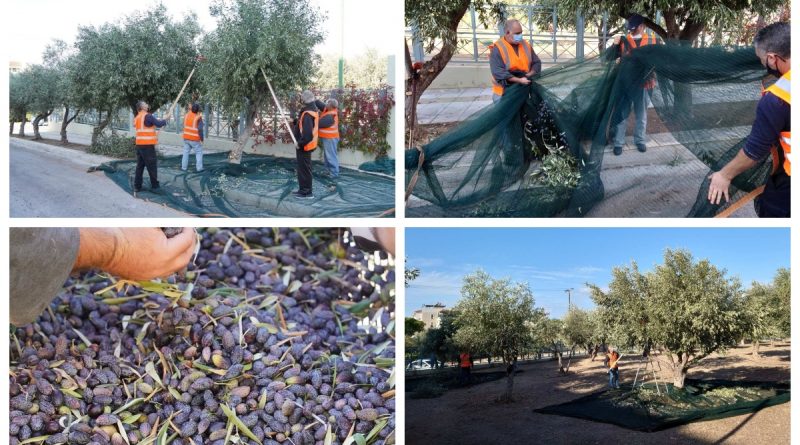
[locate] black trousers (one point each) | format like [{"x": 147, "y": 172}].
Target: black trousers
[
  {"x": 775, "y": 202},
  {"x": 145, "y": 157},
  {"x": 304, "y": 171}
]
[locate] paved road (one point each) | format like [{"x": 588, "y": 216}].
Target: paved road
[{"x": 49, "y": 181}]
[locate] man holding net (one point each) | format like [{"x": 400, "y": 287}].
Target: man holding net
[
  {"x": 512, "y": 60},
  {"x": 636, "y": 38},
  {"x": 771, "y": 132}
]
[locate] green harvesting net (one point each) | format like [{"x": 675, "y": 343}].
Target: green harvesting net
[
  {"x": 545, "y": 150},
  {"x": 260, "y": 186},
  {"x": 645, "y": 409}
]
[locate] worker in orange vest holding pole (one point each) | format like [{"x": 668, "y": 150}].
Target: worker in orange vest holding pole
[
  {"x": 145, "y": 125},
  {"x": 771, "y": 132},
  {"x": 193, "y": 137},
  {"x": 307, "y": 132},
  {"x": 512, "y": 60},
  {"x": 636, "y": 94},
  {"x": 612, "y": 359}
]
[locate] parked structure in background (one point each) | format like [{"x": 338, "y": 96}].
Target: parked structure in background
[{"x": 429, "y": 314}]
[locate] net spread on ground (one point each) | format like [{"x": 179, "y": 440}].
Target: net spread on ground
[
  {"x": 646, "y": 409},
  {"x": 259, "y": 186},
  {"x": 545, "y": 149}
]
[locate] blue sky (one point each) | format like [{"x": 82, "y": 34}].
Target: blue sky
[{"x": 551, "y": 260}]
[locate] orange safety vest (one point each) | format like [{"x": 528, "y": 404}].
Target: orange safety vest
[
  {"x": 331, "y": 132},
  {"x": 646, "y": 40},
  {"x": 465, "y": 360},
  {"x": 144, "y": 135},
  {"x": 190, "y": 122},
  {"x": 313, "y": 144},
  {"x": 513, "y": 61},
  {"x": 782, "y": 88}
]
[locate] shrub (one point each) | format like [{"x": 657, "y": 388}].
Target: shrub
[{"x": 114, "y": 145}]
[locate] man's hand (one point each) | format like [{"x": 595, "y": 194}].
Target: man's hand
[
  {"x": 523, "y": 80},
  {"x": 530, "y": 73},
  {"x": 134, "y": 253},
  {"x": 718, "y": 187}
]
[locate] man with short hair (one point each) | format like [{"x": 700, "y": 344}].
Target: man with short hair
[
  {"x": 145, "y": 125},
  {"x": 193, "y": 137},
  {"x": 512, "y": 60},
  {"x": 465, "y": 360},
  {"x": 635, "y": 94},
  {"x": 329, "y": 135},
  {"x": 771, "y": 132},
  {"x": 307, "y": 132}
]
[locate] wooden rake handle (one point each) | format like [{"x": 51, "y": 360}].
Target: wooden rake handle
[
  {"x": 277, "y": 104},
  {"x": 741, "y": 202}
]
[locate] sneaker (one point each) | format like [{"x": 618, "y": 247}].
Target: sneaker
[
  {"x": 641, "y": 147},
  {"x": 617, "y": 150},
  {"x": 297, "y": 194}
]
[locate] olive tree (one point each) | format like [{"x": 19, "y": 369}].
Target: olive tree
[
  {"x": 61, "y": 57},
  {"x": 19, "y": 98},
  {"x": 688, "y": 307},
  {"x": 146, "y": 56},
  {"x": 435, "y": 23},
  {"x": 578, "y": 330},
  {"x": 277, "y": 36},
  {"x": 45, "y": 94},
  {"x": 493, "y": 316},
  {"x": 768, "y": 309}
]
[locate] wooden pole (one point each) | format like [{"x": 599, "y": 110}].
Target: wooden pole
[
  {"x": 277, "y": 104},
  {"x": 742, "y": 201},
  {"x": 175, "y": 102}
]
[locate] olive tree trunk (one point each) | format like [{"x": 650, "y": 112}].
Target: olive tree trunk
[
  {"x": 36, "y": 121},
  {"x": 22, "y": 125},
  {"x": 235, "y": 156},
  {"x": 756, "y": 348},
  {"x": 510, "y": 370},
  {"x": 680, "y": 370},
  {"x": 65, "y": 122},
  {"x": 101, "y": 126},
  {"x": 11, "y": 128}
]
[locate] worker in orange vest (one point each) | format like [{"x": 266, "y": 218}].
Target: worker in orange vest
[
  {"x": 512, "y": 60},
  {"x": 636, "y": 94},
  {"x": 612, "y": 360},
  {"x": 307, "y": 133},
  {"x": 193, "y": 137},
  {"x": 771, "y": 132},
  {"x": 329, "y": 134},
  {"x": 145, "y": 125},
  {"x": 465, "y": 361}
]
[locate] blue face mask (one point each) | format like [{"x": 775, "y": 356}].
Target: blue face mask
[{"x": 517, "y": 38}]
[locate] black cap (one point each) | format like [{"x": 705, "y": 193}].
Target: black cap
[
  {"x": 634, "y": 21},
  {"x": 195, "y": 107}
]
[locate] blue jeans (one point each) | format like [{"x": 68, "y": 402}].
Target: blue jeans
[
  {"x": 329, "y": 147},
  {"x": 639, "y": 99},
  {"x": 198, "y": 154},
  {"x": 613, "y": 378}
]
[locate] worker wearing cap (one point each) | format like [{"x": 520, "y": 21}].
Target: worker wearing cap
[
  {"x": 637, "y": 94},
  {"x": 145, "y": 125},
  {"x": 307, "y": 132},
  {"x": 512, "y": 60},
  {"x": 612, "y": 359},
  {"x": 771, "y": 132},
  {"x": 329, "y": 135},
  {"x": 193, "y": 137}
]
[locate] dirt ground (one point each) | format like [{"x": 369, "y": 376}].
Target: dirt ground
[{"x": 473, "y": 416}]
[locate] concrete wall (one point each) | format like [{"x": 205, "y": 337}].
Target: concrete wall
[{"x": 464, "y": 75}]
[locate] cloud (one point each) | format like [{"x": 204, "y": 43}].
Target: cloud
[{"x": 574, "y": 273}]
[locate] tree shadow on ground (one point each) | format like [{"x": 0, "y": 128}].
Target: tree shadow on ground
[{"x": 474, "y": 412}]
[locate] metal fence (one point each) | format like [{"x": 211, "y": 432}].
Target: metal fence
[{"x": 543, "y": 27}]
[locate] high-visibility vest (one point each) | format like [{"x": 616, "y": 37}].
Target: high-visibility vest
[
  {"x": 512, "y": 60},
  {"x": 649, "y": 84},
  {"x": 465, "y": 360},
  {"x": 331, "y": 132},
  {"x": 782, "y": 89},
  {"x": 190, "y": 122},
  {"x": 613, "y": 358},
  {"x": 144, "y": 135},
  {"x": 313, "y": 144}
]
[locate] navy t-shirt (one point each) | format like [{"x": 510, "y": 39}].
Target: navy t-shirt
[{"x": 773, "y": 116}]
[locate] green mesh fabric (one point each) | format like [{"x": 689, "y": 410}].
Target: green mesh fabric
[
  {"x": 644, "y": 409},
  {"x": 261, "y": 186},
  {"x": 540, "y": 150},
  {"x": 384, "y": 165}
]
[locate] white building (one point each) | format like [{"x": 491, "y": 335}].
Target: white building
[{"x": 429, "y": 314}]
